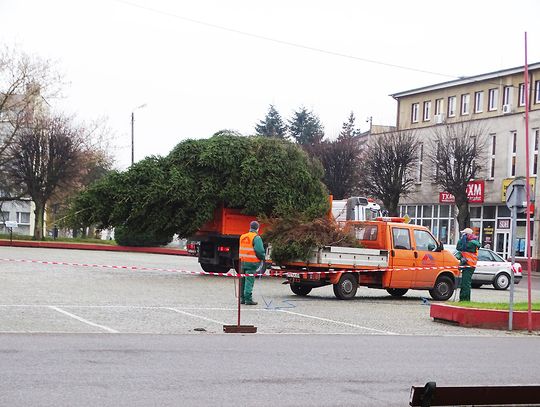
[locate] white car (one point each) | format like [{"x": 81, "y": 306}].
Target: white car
[{"x": 492, "y": 269}]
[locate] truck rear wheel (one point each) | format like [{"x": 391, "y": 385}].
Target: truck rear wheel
[
  {"x": 443, "y": 290},
  {"x": 301, "y": 290},
  {"x": 397, "y": 292},
  {"x": 214, "y": 268},
  {"x": 346, "y": 288}
]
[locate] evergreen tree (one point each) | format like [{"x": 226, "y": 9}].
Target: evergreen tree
[
  {"x": 305, "y": 127},
  {"x": 272, "y": 125},
  {"x": 347, "y": 129}
]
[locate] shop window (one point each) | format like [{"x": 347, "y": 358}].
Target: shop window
[
  {"x": 503, "y": 211},
  {"x": 427, "y": 211},
  {"x": 488, "y": 230},
  {"x": 411, "y": 211},
  {"x": 489, "y": 212},
  {"x": 443, "y": 230},
  {"x": 445, "y": 211},
  {"x": 475, "y": 212}
]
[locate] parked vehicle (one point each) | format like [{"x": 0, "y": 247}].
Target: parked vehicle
[
  {"x": 492, "y": 269},
  {"x": 394, "y": 256}
]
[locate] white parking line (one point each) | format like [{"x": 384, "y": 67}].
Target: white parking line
[
  {"x": 69, "y": 314},
  {"x": 193, "y": 315},
  {"x": 338, "y": 322}
]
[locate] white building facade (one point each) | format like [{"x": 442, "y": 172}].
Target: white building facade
[{"x": 496, "y": 103}]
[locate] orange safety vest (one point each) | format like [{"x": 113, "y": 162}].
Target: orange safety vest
[
  {"x": 472, "y": 258},
  {"x": 247, "y": 252}
]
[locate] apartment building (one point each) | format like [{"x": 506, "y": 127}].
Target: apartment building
[
  {"x": 496, "y": 103},
  {"x": 20, "y": 211}
]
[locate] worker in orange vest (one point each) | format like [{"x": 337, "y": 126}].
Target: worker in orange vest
[
  {"x": 468, "y": 254},
  {"x": 252, "y": 257}
]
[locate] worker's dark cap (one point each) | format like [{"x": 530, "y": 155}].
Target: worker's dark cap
[{"x": 254, "y": 225}]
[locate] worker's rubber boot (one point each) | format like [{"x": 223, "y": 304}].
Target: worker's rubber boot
[{"x": 251, "y": 302}]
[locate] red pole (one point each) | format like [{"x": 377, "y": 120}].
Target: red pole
[
  {"x": 239, "y": 288},
  {"x": 528, "y": 229}
]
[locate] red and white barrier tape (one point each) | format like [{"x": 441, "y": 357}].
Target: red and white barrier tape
[
  {"x": 107, "y": 266},
  {"x": 270, "y": 273}
]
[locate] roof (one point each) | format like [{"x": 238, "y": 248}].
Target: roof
[{"x": 466, "y": 80}]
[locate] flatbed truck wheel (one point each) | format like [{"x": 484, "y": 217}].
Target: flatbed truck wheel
[
  {"x": 397, "y": 292},
  {"x": 443, "y": 290},
  {"x": 301, "y": 290},
  {"x": 346, "y": 287}
]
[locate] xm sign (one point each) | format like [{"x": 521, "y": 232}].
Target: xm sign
[{"x": 475, "y": 193}]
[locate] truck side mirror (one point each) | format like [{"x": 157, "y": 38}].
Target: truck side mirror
[{"x": 440, "y": 246}]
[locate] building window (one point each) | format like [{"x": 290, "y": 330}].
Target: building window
[
  {"x": 478, "y": 102},
  {"x": 493, "y": 99},
  {"x": 451, "y": 106},
  {"x": 23, "y": 217},
  {"x": 420, "y": 162},
  {"x": 4, "y": 216},
  {"x": 438, "y": 106},
  {"x": 536, "y": 133},
  {"x": 438, "y": 218},
  {"x": 465, "y": 103},
  {"x": 507, "y": 95},
  {"x": 513, "y": 149},
  {"x": 537, "y": 92},
  {"x": 427, "y": 111},
  {"x": 521, "y": 94},
  {"x": 414, "y": 113},
  {"x": 492, "y": 156}
]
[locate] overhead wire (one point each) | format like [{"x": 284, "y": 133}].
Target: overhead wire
[
  {"x": 302, "y": 46},
  {"x": 284, "y": 42}
]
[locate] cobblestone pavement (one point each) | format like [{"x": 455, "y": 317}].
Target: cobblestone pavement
[{"x": 49, "y": 298}]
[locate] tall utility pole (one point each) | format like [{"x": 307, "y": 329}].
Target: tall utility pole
[{"x": 133, "y": 132}]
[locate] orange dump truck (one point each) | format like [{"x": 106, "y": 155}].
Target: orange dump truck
[
  {"x": 394, "y": 256},
  {"x": 219, "y": 239}
]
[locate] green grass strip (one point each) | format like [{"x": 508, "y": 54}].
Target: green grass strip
[{"x": 518, "y": 306}]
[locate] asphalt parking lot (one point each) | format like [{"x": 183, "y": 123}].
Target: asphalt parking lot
[{"x": 92, "y": 296}]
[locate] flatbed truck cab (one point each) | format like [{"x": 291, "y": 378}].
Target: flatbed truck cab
[{"x": 394, "y": 256}]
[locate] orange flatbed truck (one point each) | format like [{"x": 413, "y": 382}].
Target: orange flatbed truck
[{"x": 394, "y": 256}]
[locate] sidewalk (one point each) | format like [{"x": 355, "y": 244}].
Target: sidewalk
[{"x": 93, "y": 246}]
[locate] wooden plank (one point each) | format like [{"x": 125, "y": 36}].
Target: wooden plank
[{"x": 477, "y": 395}]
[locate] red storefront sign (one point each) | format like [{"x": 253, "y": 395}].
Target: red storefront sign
[{"x": 475, "y": 193}]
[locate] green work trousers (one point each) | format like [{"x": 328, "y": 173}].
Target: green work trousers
[
  {"x": 246, "y": 283},
  {"x": 466, "y": 278}
]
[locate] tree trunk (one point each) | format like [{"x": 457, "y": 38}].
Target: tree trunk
[
  {"x": 463, "y": 217},
  {"x": 392, "y": 207},
  {"x": 38, "y": 227}
]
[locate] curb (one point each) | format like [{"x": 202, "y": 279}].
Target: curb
[
  {"x": 91, "y": 246},
  {"x": 483, "y": 318}
]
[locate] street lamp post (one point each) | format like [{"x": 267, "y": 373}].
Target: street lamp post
[{"x": 133, "y": 132}]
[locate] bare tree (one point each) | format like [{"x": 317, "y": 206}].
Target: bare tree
[
  {"x": 457, "y": 157},
  {"x": 43, "y": 156},
  {"x": 340, "y": 159},
  {"x": 386, "y": 167},
  {"x": 25, "y": 82}
]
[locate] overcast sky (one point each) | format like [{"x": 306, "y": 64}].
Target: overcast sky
[{"x": 205, "y": 65}]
